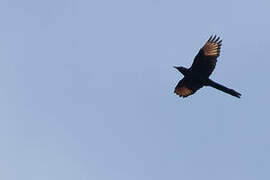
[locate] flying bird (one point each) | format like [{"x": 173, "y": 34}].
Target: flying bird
[{"x": 198, "y": 74}]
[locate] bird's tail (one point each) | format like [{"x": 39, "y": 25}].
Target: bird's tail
[{"x": 223, "y": 88}]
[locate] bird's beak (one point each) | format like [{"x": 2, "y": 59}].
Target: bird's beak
[{"x": 175, "y": 67}]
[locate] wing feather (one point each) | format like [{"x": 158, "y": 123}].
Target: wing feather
[
  {"x": 187, "y": 87},
  {"x": 205, "y": 61}
]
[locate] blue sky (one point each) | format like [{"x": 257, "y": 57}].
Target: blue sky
[{"x": 87, "y": 90}]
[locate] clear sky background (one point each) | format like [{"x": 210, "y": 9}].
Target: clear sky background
[{"x": 86, "y": 90}]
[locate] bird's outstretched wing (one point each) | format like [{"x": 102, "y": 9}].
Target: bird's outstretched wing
[
  {"x": 205, "y": 61},
  {"x": 187, "y": 87}
]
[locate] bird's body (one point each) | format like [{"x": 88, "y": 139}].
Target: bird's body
[{"x": 198, "y": 74}]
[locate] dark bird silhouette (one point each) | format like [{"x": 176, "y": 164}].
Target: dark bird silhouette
[{"x": 198, "y": 74}]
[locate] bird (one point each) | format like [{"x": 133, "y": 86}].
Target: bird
[{"x": 197, "y": 76}]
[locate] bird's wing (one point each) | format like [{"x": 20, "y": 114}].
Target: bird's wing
[
  {"x": 186, "y": 87},
  {"x": 205, "y": 61}
]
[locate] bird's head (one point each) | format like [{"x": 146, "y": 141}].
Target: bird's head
[{"x": 181, "y": 69}]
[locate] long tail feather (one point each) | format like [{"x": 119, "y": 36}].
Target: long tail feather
[{"x": 223, "y": 88}]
